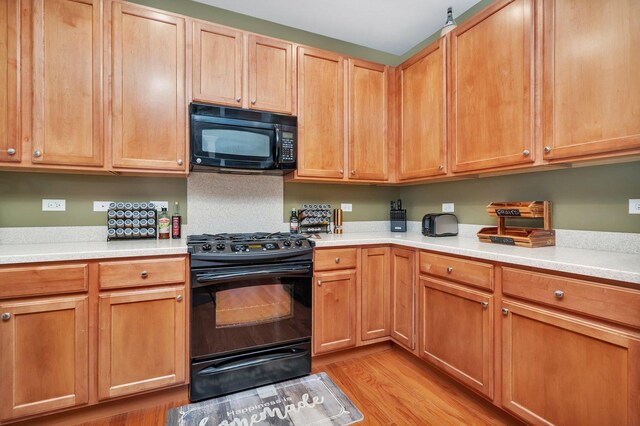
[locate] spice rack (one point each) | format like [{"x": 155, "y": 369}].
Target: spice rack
[
  {"x": 519, "y": 236},
  {"x": 131, "y": 221},
  {"x": 313, "y": 218}
]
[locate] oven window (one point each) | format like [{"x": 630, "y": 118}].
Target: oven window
[
  {"x": 225, "y": 143},
  {"x": 239, "y": 307}
]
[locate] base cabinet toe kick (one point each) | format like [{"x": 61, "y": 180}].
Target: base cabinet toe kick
[{"x": 547, "y": 347}]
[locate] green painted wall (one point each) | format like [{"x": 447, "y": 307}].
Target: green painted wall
[
  {"x": 587, "y": 198},
  {"x": 21, "y": 196}
]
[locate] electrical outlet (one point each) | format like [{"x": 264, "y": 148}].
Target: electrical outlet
[
  {"x": 634, "y": 206},
  {"x": 346, "y": 207},
  {"x": 447, "y": 207},
  {"x": 161, "y": 204},
  {"x": 53, "y": 205},
  {"x": 101, "y": 206}
]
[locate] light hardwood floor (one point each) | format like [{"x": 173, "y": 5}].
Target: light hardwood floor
[{"x": 389, "y": 387}]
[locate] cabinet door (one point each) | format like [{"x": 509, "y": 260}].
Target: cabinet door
[
  {"x": 67, "y": 83},
  {"x": 403, "y": 310},
  {"x": 142, "y": 341},
  {"x": 491, "y": 88},
  {"x": 591, "y": 89},
  {"x": 271, "y": 75},
  {"x": 334, "y": 311},
  {"x": 457, "y": 332},
  {"x": 217, "y": 64},
  {"x": 368, "y": 144},
  {"x": 148, "y": 85},
  {"x": 321, "y": 130},
  {"x": 9, "y": 100},
  {"x": 43, "y": 355},
  {"x": 567, "y": 371},
  {"x": 375, "y": 293},
  {"x": 423, "y": 136}
]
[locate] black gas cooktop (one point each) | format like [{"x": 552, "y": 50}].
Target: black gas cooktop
[{"x": 214, "y": 245}]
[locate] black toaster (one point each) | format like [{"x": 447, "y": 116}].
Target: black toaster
[{"x": 440, "y": 225}]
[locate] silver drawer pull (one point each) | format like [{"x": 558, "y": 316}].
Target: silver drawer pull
[
  {"x": 179, "y": 298},
  {"x": 144, "y": 274},
  {"x": 11, "y": 151},
  {"x": 559, "y": 294},
  {"x": 337, "y": 260},
  {"x": 504, "y": 311},
  {"x": 6, "y": 316},
  {"x": 449, "y": 269},
  {"x": 484, "y": 305},
  {"x": 319, "y": 283}
]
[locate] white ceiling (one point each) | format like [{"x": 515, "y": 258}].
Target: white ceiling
[{"x": 390, "y": 26}]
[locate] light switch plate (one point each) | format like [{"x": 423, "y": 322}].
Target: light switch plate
[
  {"x": 447, "y": 207},
  {"x": 346, "y": 207},
  {"x": 161, "y": 204},
  {"x": 101, "y": 206},
  {"x": 634, "y": 206},
  {"x": 53, "y": 205}
]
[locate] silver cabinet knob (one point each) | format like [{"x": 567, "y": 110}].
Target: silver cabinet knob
[
  {"x": 353, "y": 172},
  {"x": 449, "y": 269},
  {"x": 341, "y": 171},
  {"x": 337, "y": 260},
  {"x": 504, "y": 311},
  {"x": 484, "y": 305},
  {"x": 11, "y": 151},
  {"x": 144, "y": 274},
  {"x": 180, "y": 162},
  {"x": 547, "y": 149},
  {"x": 37, "y": 153},
  {"x": 526, "y": 153},
  {"x": 319, "y": 283},
  {"x": 253, "y": 101},
  {"x": 238, "y": 99},
  {"x": 559, "y": 294},
  {"x": 441, "y": 166},
  {"x": 179, "y": 298},
  {"x": 6, "y": 316}
]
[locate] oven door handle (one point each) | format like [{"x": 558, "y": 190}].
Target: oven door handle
[
  {"x": 219, "y": 276},
  {"x": 243, "y": 363}
]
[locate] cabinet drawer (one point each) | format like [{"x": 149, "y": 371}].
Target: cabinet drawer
[
  {"x": 604, "y": 301},
  {"x": 40, "y": 280},
  {"x": 344, "y": 258},
  {"x": 138, "y": 273},
  {"x": 465, "y": 271}
]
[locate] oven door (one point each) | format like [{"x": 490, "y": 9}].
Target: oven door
[
  {"x": 241, "y": 308},
  {"x": 231, "y": 143}
]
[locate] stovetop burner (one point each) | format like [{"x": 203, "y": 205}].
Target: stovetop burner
[
  {"x": 243, "y": 237},
  {"x": 262, "y": 246}
]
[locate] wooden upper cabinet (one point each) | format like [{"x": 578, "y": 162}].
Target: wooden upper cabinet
[
  {"x": 560, "y": 370},
  {"x": 368, "y": 127},
  {"x": 45, "y": 359},
  {"x": 149, "y": 110},
  {"x": 66, "y": 83},
  {"x": 491, "y": 88},
  {"x": 142, "y": 340},
  {"x": 271, "y": 75},
  {"x": 217, "y": 64},
  {"x": 590, "y": 84},
  {"x": 403, "y": 309},
  {"x": 10, "y": 144},
  {"x": 423, "y": 138},
  {"x": 375, "y": 292},
  {"x": 321, "y": 127}
]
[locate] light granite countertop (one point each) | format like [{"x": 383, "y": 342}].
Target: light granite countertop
[
  {"x": 48, "y": 252},
  {"x": 594, "y": 263}
]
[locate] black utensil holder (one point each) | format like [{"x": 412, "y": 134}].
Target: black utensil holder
[{"x": 399, "y": 220}]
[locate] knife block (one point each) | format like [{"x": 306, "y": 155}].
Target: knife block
[{"x": 398, "y": 220}]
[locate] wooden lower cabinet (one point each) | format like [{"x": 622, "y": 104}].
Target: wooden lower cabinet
[
  {"x": 456, "y": 332},
  {"x": 334, "y": 311},
  {"x": 142, "y": 340},
  {"x": 375, "y": 288},
  {"x": 403, "y": 273},
  {"x": 562, "y": 370},
  {"x": 44, "y": 358}
]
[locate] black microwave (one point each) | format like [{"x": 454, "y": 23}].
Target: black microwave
[{"x": 235, "y": 140}]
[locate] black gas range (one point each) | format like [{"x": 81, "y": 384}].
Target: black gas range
[{"x": 251, "y": 300}]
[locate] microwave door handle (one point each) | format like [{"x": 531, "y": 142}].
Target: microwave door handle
[
  {"x": 213, "y": 277},
  {"x": 277, "y": 157}
]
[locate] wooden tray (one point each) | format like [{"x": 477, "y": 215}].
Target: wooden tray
[
  {"x": 523, "y": 237},
  {"x": 524, "y": 209}
]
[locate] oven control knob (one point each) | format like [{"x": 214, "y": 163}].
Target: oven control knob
[
  {"x": 298, "y": 243},
  {"x": 206, "y": 247},
  {"x": 238, "y": 247},
  {"x": 287, "y": 243},
  {"x": 220, "y": 246}
]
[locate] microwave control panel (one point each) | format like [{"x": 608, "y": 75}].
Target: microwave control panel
[{"x": 288, "y": 150}]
